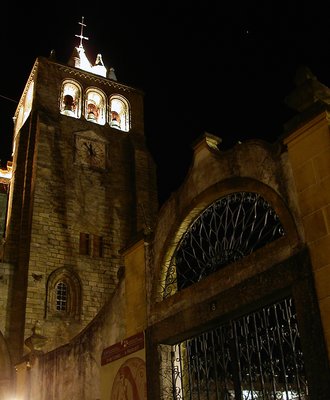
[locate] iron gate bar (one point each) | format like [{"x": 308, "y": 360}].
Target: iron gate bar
[{"x": 255, "y": 357}]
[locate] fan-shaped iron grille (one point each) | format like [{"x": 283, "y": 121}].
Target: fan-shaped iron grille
[{"x": 232, "y": 227}]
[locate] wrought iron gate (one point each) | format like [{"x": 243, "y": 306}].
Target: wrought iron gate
[{"x": 258, "y": 356}]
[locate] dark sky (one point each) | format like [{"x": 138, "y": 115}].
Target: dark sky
[{"x": 215, "y": 66}]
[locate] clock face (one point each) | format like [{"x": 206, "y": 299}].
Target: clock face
[{"x": 90, "y": 152}]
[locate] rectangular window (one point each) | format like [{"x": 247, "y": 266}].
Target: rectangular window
[
  {"x": 61, "y": 296},
  {"x": 90, "y": 245},
  {"x": 97, "y": 246},
  {"x": 84, "y": 244}
]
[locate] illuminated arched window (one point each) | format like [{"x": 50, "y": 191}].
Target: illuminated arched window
[
  {"x": 95, "y": 106},
  {"x": 119, "y": 117},
  {"x": 70, "y": 100}
]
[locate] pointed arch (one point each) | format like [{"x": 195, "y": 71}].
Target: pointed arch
[{"x": 63, "y": 294}]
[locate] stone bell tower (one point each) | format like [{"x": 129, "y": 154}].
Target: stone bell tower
[{"x": 83, "y": 186}]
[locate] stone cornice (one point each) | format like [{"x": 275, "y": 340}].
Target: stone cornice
[{"x": 95, "y": 78}]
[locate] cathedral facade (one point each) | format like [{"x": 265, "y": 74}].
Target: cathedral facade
[{"x": 222, "y": 293}]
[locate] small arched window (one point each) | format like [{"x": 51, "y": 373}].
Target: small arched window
[
  {"x": 119, "y": 117},
  {"x": 95, "y": 106},
  {"x": 70, "y": 101},
  {"x": 63, "y": 294}
]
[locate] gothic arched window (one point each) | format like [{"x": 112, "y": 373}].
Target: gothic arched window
[
  {"x": 70, "y": 100},
  {"x": 63, "y": 294},
  {"x": 231, "y": 228},
  {"x": 119, "y": 117},
  {"x": 95, "y": 106}
]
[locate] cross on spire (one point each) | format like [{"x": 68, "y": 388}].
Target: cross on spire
[{"x": 81, "y": 32}]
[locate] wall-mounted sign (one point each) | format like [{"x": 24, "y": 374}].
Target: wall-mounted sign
[{"x": 123, "y": 372}]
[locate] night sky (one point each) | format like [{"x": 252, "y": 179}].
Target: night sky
[{"x": 214, "y": 66}]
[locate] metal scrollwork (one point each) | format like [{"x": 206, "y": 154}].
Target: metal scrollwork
[{"x": 226, "y": 231}]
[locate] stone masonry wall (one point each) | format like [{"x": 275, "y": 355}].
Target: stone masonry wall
[
  {"x": 70, "y": 199},
  {"x": 309, "y": 155}
]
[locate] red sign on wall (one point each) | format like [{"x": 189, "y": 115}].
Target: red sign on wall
[{"x": 123, "y": 348}]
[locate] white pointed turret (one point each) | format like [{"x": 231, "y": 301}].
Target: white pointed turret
[
  {"x": 83, "y": 60},
  {"x": 79, "y": 59},
  {"x": 99, "y": 67}
]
